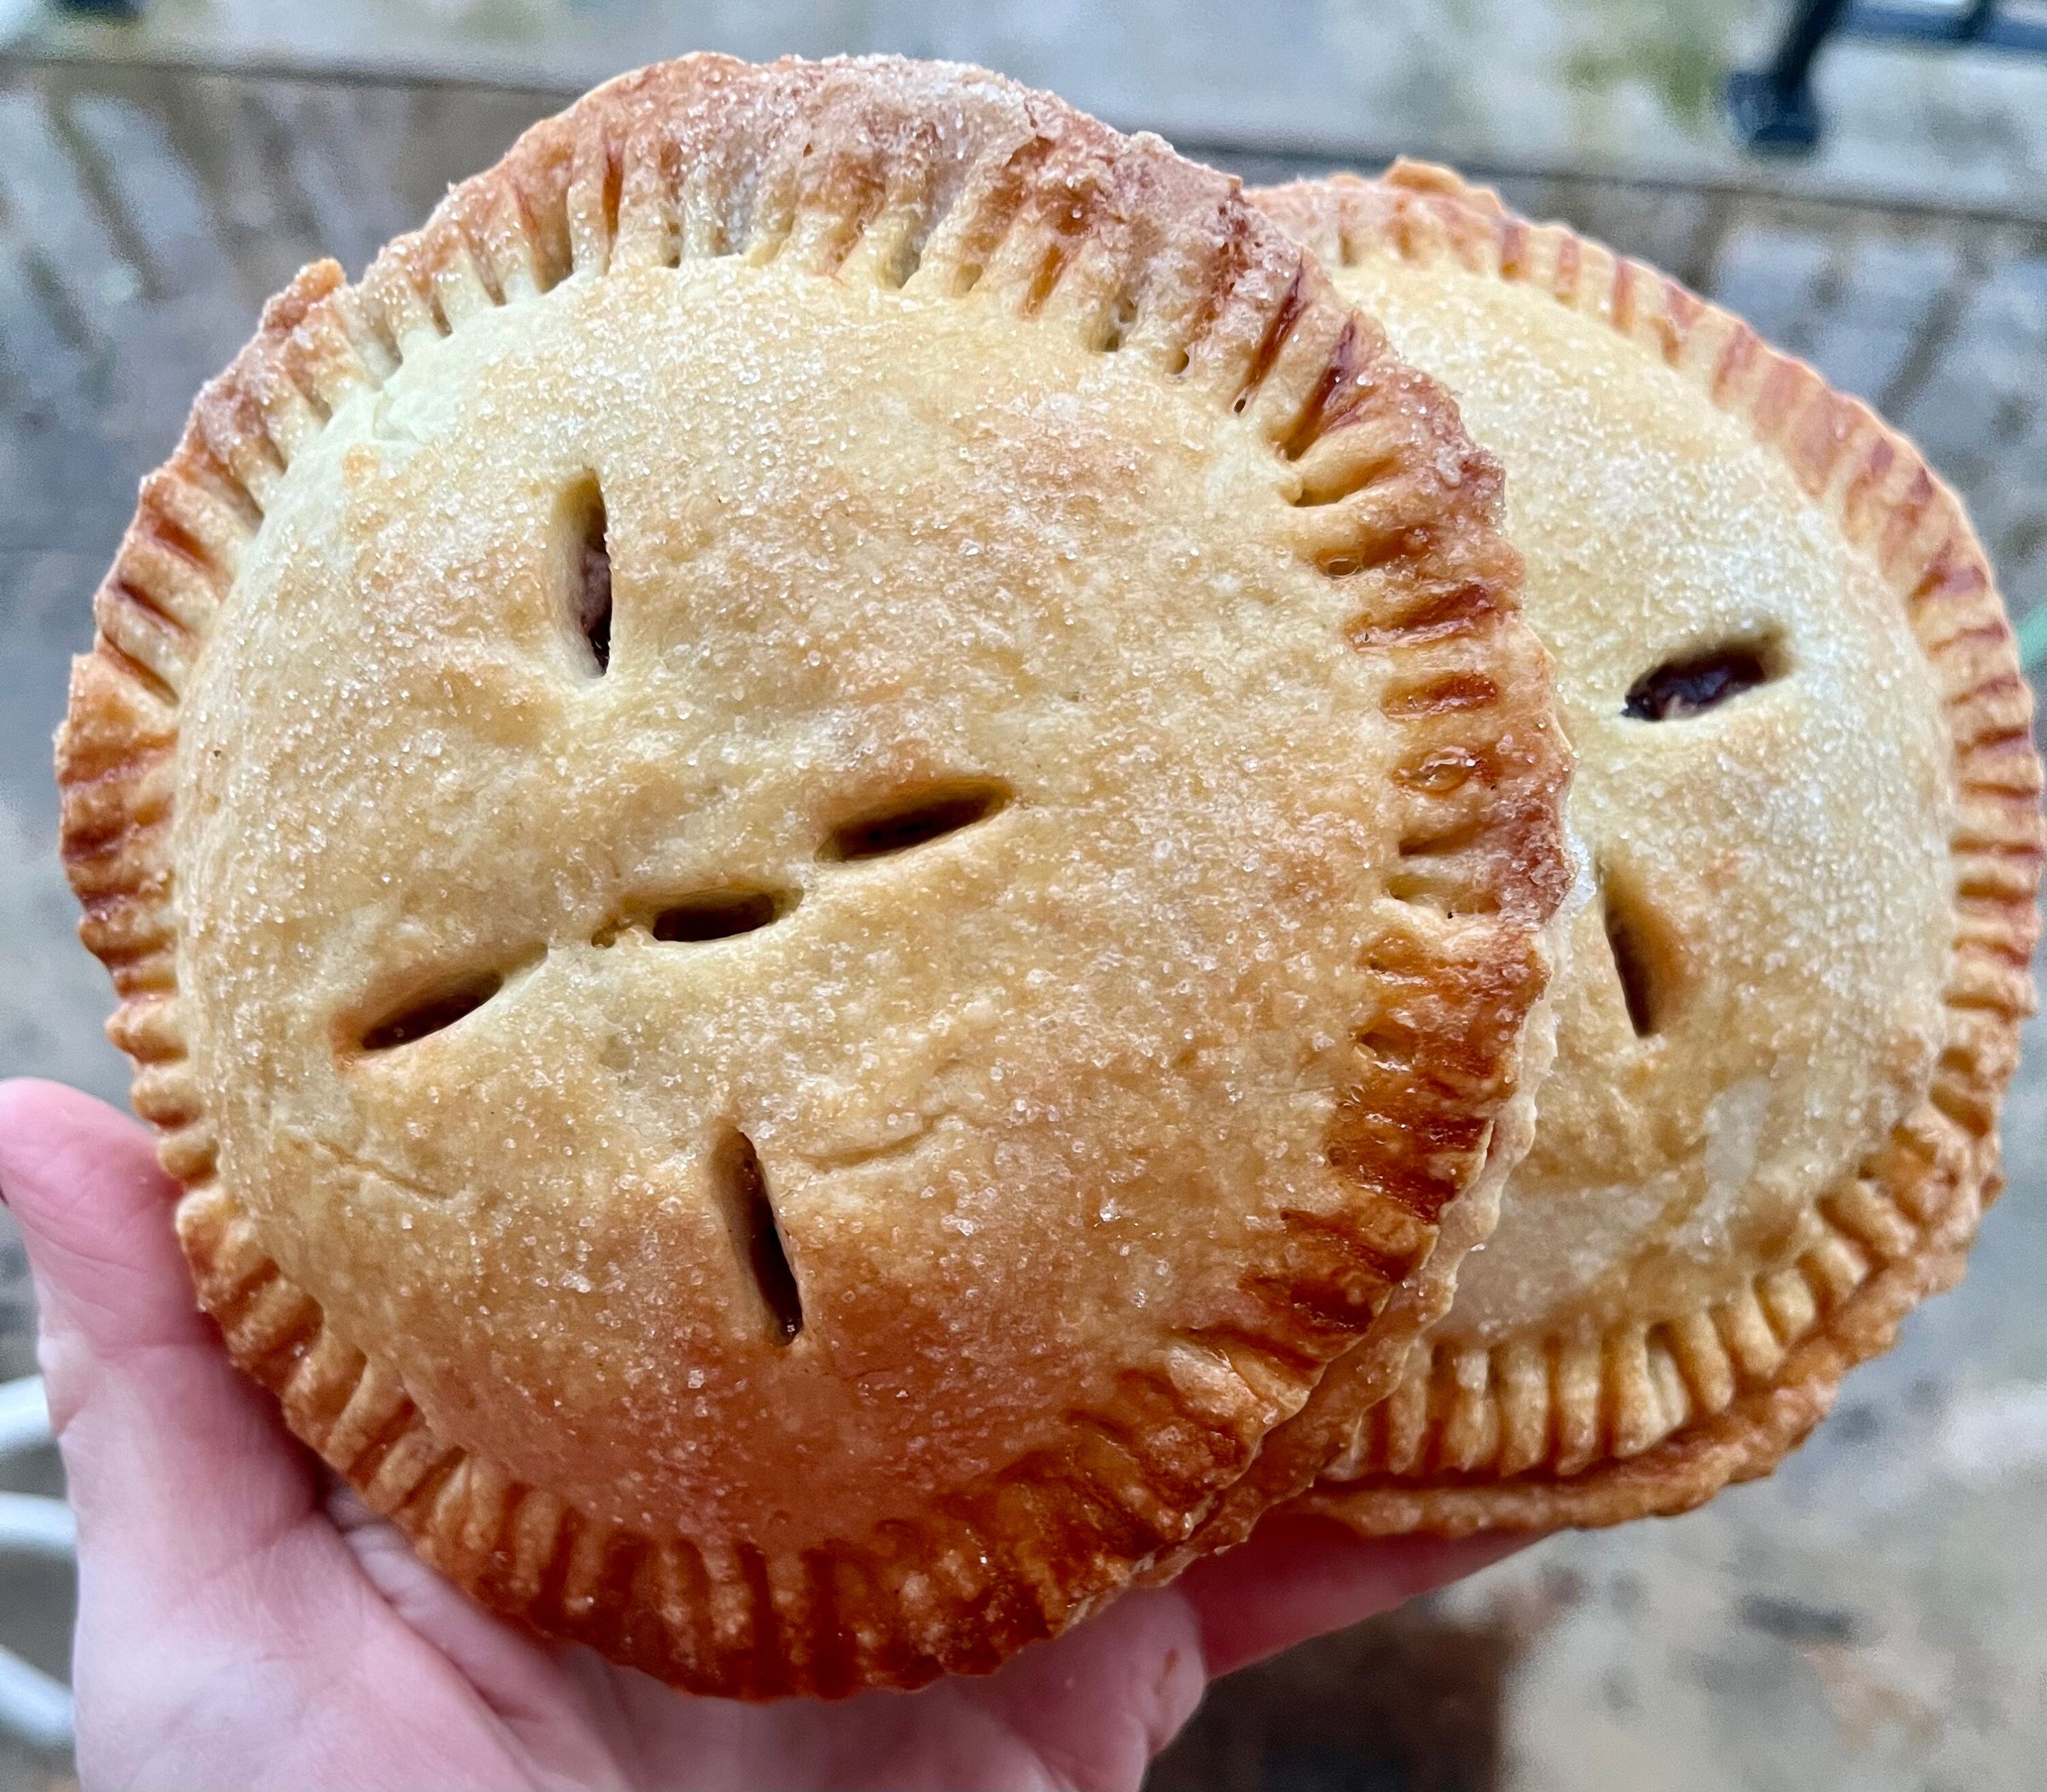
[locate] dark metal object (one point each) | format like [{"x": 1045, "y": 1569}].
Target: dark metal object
[
  {"x": 1774, "y": 108},
  {"x": 103, "y": 8}
]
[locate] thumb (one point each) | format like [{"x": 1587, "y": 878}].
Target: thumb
[{"x": 176, "y": 1463}]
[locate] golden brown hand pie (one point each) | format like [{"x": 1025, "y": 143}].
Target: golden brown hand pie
[
  {"x": 825, "y": 838},
  {"x": 1809, "y": 787}
]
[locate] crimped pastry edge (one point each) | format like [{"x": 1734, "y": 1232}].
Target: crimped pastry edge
[
  {"x": 1299, "y": 1451},
  {"x": 1661, "y": 1418},
  {"x": 1229, "y": 304}
]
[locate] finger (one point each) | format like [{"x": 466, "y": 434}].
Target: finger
[
  {"x": 519, "y": 1676},
  {"x": 1096, "y": 1702},
  {"x": 1299, "y": 1576},
  {"x": 173, "y": 1459},
  {"x": 83, "y": 1182}
]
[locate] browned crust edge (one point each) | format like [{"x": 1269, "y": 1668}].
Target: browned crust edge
[
  {"x": 1298, "y": 1451},
  {"x": 897, "y": 173},
  {"x": 1533, "y": 1433}
]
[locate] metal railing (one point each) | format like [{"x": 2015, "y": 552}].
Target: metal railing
[
  {"x": 34, "y": 1706},
  {"x": 1774, "y": 107}
]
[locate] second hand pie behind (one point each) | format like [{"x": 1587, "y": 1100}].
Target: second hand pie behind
[{"x": 1808, "y": 784}]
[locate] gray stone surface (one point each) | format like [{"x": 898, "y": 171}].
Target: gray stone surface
[
  {"x": 1868, "y": 1617},
  {"x": 1622, "y": 86}
]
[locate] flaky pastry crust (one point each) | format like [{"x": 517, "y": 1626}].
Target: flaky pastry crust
[
  {"x": 540, "y": 1052},
  {"x": 1600, "y": 1413}
]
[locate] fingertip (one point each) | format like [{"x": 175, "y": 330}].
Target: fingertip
[
  {"x": 94, "y": 1211},
  {"x": 1111, "y": 1691},
  {"x": 175, "y": 1461},
  {"x": 42, "y": 1094},
  {"x": 1302, "y": 1574},
  {"x": 46, "y": 1127}
]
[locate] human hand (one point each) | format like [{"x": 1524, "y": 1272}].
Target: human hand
[{"x": 244, "y": 1620}]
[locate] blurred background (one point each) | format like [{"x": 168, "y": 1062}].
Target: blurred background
[{"x": 1869, "y": 1618}]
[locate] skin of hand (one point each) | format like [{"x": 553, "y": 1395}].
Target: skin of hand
[{"x": 244, "y": 1620}]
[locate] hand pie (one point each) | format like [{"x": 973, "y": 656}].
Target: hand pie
[
  {"x": 825, "y": 838},
  {"x": 1808, "y": 787}
]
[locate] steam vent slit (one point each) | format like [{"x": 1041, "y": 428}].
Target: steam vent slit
[
  {"x": 431, "y": 1012},
  {"x": 590, "y": 570},
  {"x": 1696, "y": 682},
  {"x": 916, "y": 819},
  {"x": 743, "y": 1191},
  {"x": 718, "y": 914},
  {"x": 1627, "y": 937}
]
